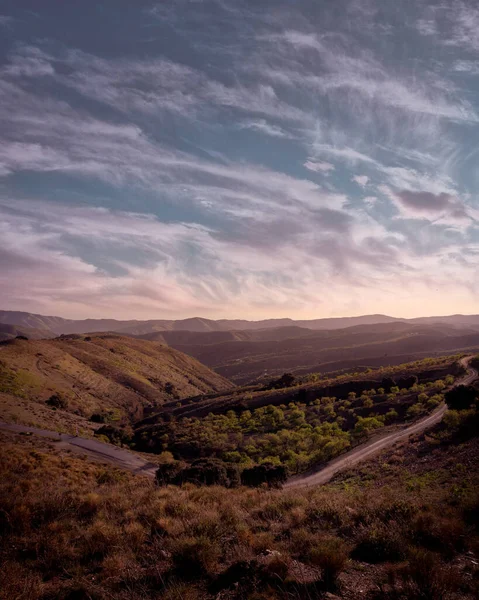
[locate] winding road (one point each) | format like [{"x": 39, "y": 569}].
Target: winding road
[
  {"x": 375, "y": 445},
  {"x": 125, "y": 459}
]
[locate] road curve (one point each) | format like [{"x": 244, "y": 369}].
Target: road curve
[
  {"x": 372, "y": 447},
  {"x": 123, "y": 459}
]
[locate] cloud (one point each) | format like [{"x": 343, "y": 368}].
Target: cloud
[
  {"x": 370, "y": 201},
  {"x": 425, "y": 201},
  {"x": 426, "y": 27},
  {"x": 361, "y": 180},
  {"x": 5, "y": 21},
  {"x": 465, "y": 28},
  {"x": 223, "y": 272},
  {"x": 368, "y": 79},
  {"x": 185, "y": 212},
  {"x": 319, "y": 167},
  {"x": 439, "y": 208},
  {"x": 262, "y": 126}
]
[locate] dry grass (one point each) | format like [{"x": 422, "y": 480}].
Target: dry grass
[
  {"x": 107, "y": 374},
  {"x": 71, "y": 530}
]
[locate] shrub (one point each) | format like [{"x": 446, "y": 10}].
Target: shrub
[
  {"x": 414, "y": 410},
  {"x": 114, "y": 434},
  {"x": 391, "y": 415},
  {"x": 452, "y": 419},
  {"x": 330, "y": 554},
  {"x": 274, "y": 476},
  {"x": 167, "y": 472},
  {"x": 379, "y": 544},
  {"x": 56, "y": 401},
  {"x": 407, "y": 382},
  {"x": 423, "y": 578},
  {"x": 461, "y": 397},
  {"x": 286, "y": 380},
  {"x": 195, "y": 557},
  {"x": 98, "y": 418},
  {"x": 206, "y": 471}
]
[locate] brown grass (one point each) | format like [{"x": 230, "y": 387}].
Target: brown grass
[
  {"x": 109, "y": 374},
  {"x": 72, "y": 529}
]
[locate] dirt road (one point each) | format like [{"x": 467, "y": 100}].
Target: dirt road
[
  {"x": 124, "y": 459},
  {"x": 375, "y": 445}
]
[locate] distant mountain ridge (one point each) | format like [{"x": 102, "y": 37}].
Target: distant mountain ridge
[{"x": 52, "y": 325}]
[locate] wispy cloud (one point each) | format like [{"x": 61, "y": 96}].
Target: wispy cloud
[
  {"x": 262, "y": 126},
  {"x": 319, "y": 167},
  {"x": 217, "y": 163}
]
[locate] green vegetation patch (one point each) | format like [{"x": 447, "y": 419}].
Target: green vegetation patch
[
  {"x": 296, "y": 436},
  {"x": 18, "y": 383}
]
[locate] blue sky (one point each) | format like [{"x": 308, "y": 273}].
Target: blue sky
[{"x": 233, "y": 158}]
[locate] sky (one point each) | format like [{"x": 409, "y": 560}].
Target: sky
[{"x": 239, "y": 158}]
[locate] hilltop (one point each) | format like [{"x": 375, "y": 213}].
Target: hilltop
[
  {"x": 247, "y": 352},
  {"x": 57, "y": 325},
  {"x": 68, "y": 379},
  {"x": 249, "y": 356}
]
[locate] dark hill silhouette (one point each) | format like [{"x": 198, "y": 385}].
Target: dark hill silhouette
[{"x": 57, "y": 325}]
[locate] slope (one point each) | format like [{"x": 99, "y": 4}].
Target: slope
[
  {"x": 325, "y": 351},
  {"x": 118, "y": 377},
  {"x": 8, "y": 332}
]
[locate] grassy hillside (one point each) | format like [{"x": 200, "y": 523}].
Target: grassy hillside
[
  {"x": 9, "y": 332},
  {"x": 45, "y": 381},
  {"x": 248, "y": 360},
  {"x": 404, "y": 527}
]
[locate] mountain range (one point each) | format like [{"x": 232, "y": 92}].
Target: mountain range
[
  {"x": 254, "y": 351},
  {"x": 50, "y": 326}
]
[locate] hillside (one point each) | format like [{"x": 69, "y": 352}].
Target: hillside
[
  {"x": 58, "y": 325},
  {"x": 115, "y": 376},
  {"x": 194, "y": 338},
  {"x": 401, "y": 527},
  {"x": 254, "y": 359},
  {"x": 8, "y": 332}
]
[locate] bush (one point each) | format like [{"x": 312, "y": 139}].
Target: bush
[
  {"x": 167, "y": 472},
  {"x": 98, "y": 418},
  {"x": 415, "y": 410},
  {"x": 407, "y": 382},
  {"x": 330, "y": 555},
  {"x": 204, "y": 471},
  {"x": 423, "y": 578},
  {"x": 272, "y": 475},
  {"x": 207, "y": 471},
  {"x": 286, "y": 380},
  {"x": 114, "y": 434},
  {"x": 461, "y": 397},
  {"x": 56, "y": 401},
  {"x": 194, "y": 558},
  {"x": 379, "y": 544}
]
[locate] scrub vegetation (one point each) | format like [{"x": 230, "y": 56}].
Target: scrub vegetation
[{"x": 401, "y": 527}]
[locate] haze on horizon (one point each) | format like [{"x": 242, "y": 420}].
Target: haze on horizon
[{"x": 239, "y": 159}]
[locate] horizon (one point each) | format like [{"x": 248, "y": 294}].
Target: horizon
[
  {"x": 422, "y": 316},
  {"x": 238, "y": 160}
]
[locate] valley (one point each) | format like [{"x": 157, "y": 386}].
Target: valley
[{"x": 159, "y": 477}]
